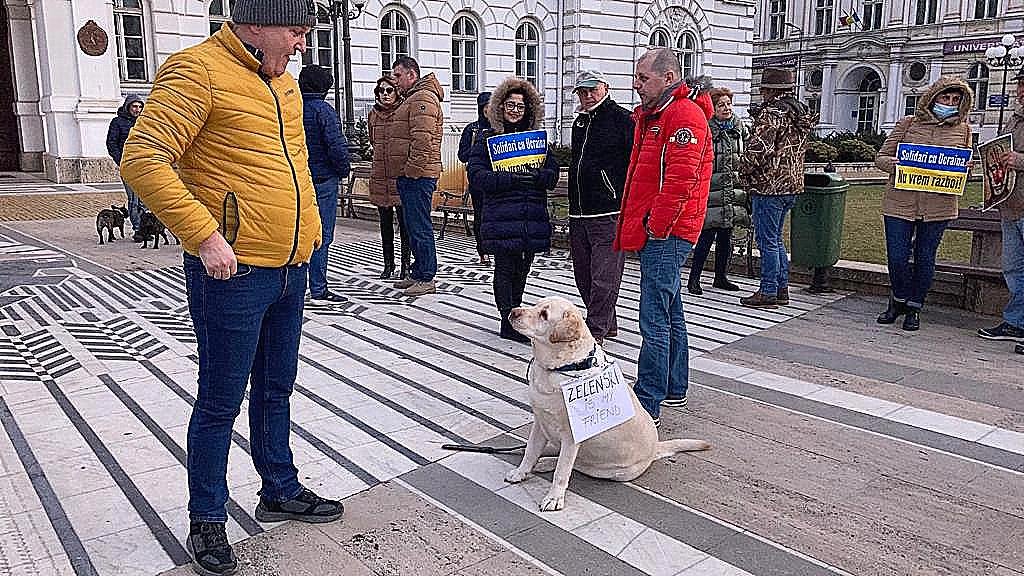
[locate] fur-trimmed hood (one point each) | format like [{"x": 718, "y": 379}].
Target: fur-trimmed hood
[
  {"x": 534, "y": 107},
  {"x": 924, "y": 104},
  {"x": 700, "y": 87}
]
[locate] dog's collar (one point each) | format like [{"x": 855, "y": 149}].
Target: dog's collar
[{"x": 587, "y": 363}]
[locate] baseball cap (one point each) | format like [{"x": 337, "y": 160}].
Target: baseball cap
[{"x": 589, "y": 79}]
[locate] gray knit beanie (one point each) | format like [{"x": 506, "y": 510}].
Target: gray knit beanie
[{"x": 274, "y": 12}]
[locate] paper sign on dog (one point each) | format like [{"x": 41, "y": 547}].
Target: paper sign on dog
[
  {"x": 518, "y": 152},
  {"x": 938, "y": 169},
  {"x": 597, "y": 402}
]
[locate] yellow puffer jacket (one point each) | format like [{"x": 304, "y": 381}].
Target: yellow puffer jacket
[{"x": 240, "y": 151}]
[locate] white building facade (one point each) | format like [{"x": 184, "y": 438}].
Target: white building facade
[
  {"x": 56, "y": 100},
  {"x": 866, "y": 76}
]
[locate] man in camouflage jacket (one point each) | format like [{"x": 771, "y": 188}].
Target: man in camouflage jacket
[{"x": 772, "y": 169}]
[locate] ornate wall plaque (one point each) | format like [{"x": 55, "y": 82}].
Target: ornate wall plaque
[{"x": 92, "y": 39}]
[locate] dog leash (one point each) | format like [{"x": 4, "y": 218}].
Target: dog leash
[{"x": 483, "y": 449}]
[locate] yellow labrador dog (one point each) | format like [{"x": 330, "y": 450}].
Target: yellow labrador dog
[{"x": 560, "y": 338}]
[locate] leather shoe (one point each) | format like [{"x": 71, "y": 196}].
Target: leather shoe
[
  {"x": 894, "y": 311},
  {"x": 912, "y": 320}
]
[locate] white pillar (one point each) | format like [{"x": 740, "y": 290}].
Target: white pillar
[
  {"x": 828, "y": 98},
  {"x": 893, "y": 96},
  {"x": 26, "y": 87}
]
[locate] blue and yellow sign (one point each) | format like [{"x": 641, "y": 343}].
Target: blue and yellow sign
[
  {"x": 518, "y": 152},
  {"x": 937, "y": 169}
]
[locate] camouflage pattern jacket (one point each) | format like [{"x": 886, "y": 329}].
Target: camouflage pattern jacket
[{"x": 773, "y": 163}]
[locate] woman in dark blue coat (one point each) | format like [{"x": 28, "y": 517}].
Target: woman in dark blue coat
[{"x": 515, "y": 222}]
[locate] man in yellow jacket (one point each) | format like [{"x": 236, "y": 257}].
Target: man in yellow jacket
[{"x": 219, "y": 155}]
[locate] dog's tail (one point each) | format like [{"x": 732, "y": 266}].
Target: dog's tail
[{"x": 669, "y": 447}]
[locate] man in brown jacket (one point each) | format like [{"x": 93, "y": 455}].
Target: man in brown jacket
[
  {"x": 1011, "y": 211},
  {"x": 417, "y": 126}
]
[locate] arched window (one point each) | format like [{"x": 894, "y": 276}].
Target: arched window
[
  {"x": 394, "y": 38},
  {"x": 220, "y": 12},
  {"x": 977, "y": 79},
  {"x": 319, "y": 44},
  {"x": 686, "y": 47},
  {"x": 867, "y": 102},
  {"x": 464, "y": 54},
  {"x": 131, "y": 43},
  {"x": 658, "y": 38},
  {"x": 527, "y": 52}
]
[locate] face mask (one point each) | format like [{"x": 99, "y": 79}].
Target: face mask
[{"x": 943, "y": 111}]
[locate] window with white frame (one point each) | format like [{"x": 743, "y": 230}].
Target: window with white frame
[
  {"x": 776, "y": 19},
  {"x": 220, "y": 12},
  {"x": 394, "y": 38},
  {"x": 985, "y": 9},
  {"x": 465, "y": 40},
  {"x": 910, "y": 104},
  {"x": 686, "y": 46},
  {"x": 814, "y": 104},
  {"x": 977, "y": 79},
  {"x": 867, "y": 103},
  {"x": 131, "y": 41},
  {"x": 528, "y": 52},
  {"x": 823, "y": 10},
  {"x": 658, "y": 38},
  {"x": 319, "y": 40},
  {"x": 872, "y": 19},
  {"x": 926, "y": 11}
]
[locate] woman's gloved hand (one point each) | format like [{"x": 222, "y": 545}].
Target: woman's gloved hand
[{"x": 547, "y": 179}]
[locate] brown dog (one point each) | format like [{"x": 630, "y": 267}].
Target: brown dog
[{"x": 560, "y": 338}]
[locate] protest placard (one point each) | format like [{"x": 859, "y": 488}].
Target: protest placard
[
  {"x": 519, "y": 151},
  {"x": 998, "y": 177},
  {"x": 597, "y": 402},
  {"x": 922, "y": 168}
]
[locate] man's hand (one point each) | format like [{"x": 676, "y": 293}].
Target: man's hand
[
  {"x": 1014, "y": 160},
  {"x": 218, "y": 257}
]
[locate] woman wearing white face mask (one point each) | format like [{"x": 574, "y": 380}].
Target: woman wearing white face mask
[{"x": 915, "y": 221}]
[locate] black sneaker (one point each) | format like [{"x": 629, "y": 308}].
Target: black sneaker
[
  {"x": 1004, "y": 331},
  {"x": 674, "y": 402},
  {"x": 328, "y": 296},
  {"x": 657, "y": 422},
  {"x": 306, "y": 507},
  {"x": 207, "y": 543}
]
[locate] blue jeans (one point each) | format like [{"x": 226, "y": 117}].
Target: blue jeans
[
  {"x": 663, "y": 368},
  {"x": 1013, "y": 271},
  {"x": 247, "y": 327},
  {"x": 327, "y": 200},
  {"x": 416, "y": 195},
  {"x": 134, "y": 206},
  {"x": 910, "y": 281},
  {"x": 769, "y": 213}
]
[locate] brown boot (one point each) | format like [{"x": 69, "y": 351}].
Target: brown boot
[
  {"x": 759, "y": 300},
  {"x": 782, "y": 298}
]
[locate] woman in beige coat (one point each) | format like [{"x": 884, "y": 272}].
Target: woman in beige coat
[
  {"x": 915, "y": 221},
  {"x": 383, "y": 172}
]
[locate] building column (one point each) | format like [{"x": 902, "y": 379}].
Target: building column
[
  {"x": 828, "y": 98},
  {"x": 26, "y": 86},
  {"x": 893, "y": 97}
]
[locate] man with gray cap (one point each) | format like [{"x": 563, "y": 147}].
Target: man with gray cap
[
  {"x": 219, "y": 155},
  {"x": 602, "y": 142}
]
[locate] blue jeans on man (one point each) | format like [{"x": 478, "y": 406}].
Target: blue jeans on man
[
  {"x": 416, "y": 195},
  {"x": 769, "y": 214},
  {"x": 134, "y": 206},
  {"x": 247, "y": 327},
  {"x": 663, "y": 368},
  {"x": 905, "y": 238},
  {"x": 1013, "y": 271},
  {"x": 327, "y": 200}
]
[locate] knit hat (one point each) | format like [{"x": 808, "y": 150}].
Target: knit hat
[
  {"x": 274, "y": 12},
  {"x": 315, "y": 79}
]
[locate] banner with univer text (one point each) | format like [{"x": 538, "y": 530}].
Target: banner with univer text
[
  {"x": 939, "y": 169},
  {"x": 518, "y": 152}
]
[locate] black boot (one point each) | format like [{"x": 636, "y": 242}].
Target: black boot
[
  {"x": 894, "y": 311},
  {"x": 507, "y": 331},
  {"x": 912, "y": 320},
  {"x": 693, "y": 286},
  {"x": 389, "y": 269},
  {"x": 820, "y": 283}
]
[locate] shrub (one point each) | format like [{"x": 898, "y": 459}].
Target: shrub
[
  {"x": 360, "y": 140},
  {"x": 562, "y": 154},
  {"x": 821, "y": 152},
  {"x": 855, "y": 151}
]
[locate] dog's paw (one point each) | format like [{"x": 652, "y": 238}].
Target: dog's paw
[
  {"x": 553, "y": 502},
  {"x": 515, "y": 475}
]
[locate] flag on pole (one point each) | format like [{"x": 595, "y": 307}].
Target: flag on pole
[{"x": 848, "y": 20}]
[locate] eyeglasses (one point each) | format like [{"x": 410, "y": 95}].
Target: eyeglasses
[
  {"x": 515, "y": 106},
  {"x": 387, "y": 90}
]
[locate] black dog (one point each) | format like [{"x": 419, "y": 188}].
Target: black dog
[
  {"x": 110, "y": 219},
  {"x": 151, "y": 227}
]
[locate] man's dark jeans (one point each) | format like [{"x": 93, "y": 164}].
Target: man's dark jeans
[
  {"x": 327, "y": 200},
  {"x": 247, "y": 325},
  {"x": 903, "y": 238},
  {"x": 597, "y": 267},
  {"x": 416, "y": 194},
  {"x": 769, "y": 213}
]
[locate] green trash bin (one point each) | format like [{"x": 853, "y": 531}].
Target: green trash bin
[{"x": 816, "y": 227}]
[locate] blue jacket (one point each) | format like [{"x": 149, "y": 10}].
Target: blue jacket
[
  {"x": 119, "y": 128},
  {"x": 328, "y": 149}
]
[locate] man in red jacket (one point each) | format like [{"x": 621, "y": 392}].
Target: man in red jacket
[{"x": 663, "y": 208}]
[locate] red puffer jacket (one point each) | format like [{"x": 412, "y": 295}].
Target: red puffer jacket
[{"x": 669, "y": 171}]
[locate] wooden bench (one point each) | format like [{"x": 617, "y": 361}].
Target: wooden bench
[
  {"x": 455, "y": 204},
  {"x": 347, "y": 195},
  {"x": 983, "y": 288}
]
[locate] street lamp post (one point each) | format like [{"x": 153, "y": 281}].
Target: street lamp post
[
  {"x": 340, "y": 11},
  {"x": 1005, "y": 56},
  {"x": 799, "y": 53}
]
